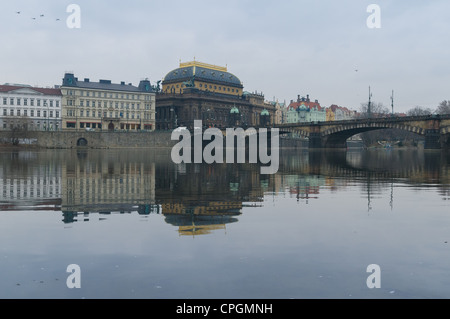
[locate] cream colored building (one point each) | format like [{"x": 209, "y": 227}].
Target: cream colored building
[
  {"x": 106, "y": 106},
  {"x": 120, "y": 181}
]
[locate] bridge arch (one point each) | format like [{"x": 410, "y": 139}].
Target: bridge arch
[
  {"x": 337, "y": 136},
  {"x": 434, "y": 128},
  {"x": 298, "y": 132},
  {"x": 82, "y": 142},
  {"x": 365, "y": 127}
]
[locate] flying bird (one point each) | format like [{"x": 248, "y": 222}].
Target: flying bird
[
  {"x": 42, "y": 15},
  {"x": 18, "y": 12}
]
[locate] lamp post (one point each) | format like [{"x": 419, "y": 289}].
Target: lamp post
[
  {"x": 392, "y": 102},
  {"x": 173, "y": 117},
  {"x": 265, "y": 118},
  {"x": 234, "y": 116}
]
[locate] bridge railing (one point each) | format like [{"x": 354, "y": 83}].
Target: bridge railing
[{"x": 369, "y": 120}]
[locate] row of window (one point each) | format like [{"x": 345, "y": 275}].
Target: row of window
[
  {"x": 19, "y": 101},
  {"x": 206, "y": 86},
  {"x": 123, "y": 126},
  {"x": 87, "y": 113},
  {"x": 32, "y": 113},
  {"x": 108, "y": 95},
  {"x": 93, "y": 103},
  {"x": 31, "y": 193},
  {"x": 33, "y": 126},
  {"x": 24, "y": 183}
]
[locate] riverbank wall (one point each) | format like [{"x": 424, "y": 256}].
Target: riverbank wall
[{"x": 98, "y": 140}]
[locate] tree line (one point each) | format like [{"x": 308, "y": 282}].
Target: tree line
[
  {"x": 403, "y": 137},
  {"x": 379, "y": 110}
]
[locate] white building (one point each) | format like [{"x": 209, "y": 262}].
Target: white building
[
  {"x": 30, "y": 186},
  {"x": 30, "y": 108}
]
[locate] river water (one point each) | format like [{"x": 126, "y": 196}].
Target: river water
[{"x": 139, "y": 226}]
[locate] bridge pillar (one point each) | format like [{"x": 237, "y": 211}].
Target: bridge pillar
[
  {"x": 432, "y": 139},
  {"x": 445, "y": 141},
  {"x": 315, "y": 140}
]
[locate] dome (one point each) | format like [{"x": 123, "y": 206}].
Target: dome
[{"x": 202, "y": 72}]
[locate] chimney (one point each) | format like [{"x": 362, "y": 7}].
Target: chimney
[
  {"x": 298, "y": 98},
  {"x": 86, "y": 80},
  {"x": 122, "y": 83},
  {"x": 307, "y": 97}
]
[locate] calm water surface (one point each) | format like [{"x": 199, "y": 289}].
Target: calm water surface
[{"x": 140, "y": 226}]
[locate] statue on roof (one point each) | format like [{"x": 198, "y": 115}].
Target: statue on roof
[
  {"x": 190, "y": 83},
  {"x": 157, "y": 87}
]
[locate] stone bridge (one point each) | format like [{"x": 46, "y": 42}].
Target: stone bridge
[{"x": 333, "y": 134}]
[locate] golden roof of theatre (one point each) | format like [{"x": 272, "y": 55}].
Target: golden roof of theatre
[{"x": 200, "y": 71}]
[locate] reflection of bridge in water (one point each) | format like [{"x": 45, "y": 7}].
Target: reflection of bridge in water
[
  {"x": 307, "y": 173},
  {"x": 196, "y": 198},
  {"x": 334, "y": 134},
  {"x": 412, "y": 165}
]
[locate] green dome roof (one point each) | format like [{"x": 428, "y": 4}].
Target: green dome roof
[{"x": 202, "y": 72}]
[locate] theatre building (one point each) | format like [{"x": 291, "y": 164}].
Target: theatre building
[
  {"x": 106, "y": 106},
  {"x": 200, "y": 91}
]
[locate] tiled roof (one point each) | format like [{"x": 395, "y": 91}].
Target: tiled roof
[
  {"x": 106, "y": 86},
  {"x": 70, "y": 80},
  {"x": 203, "y": 74}
]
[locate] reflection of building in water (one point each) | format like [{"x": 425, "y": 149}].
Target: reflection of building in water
[
  {"x": 25, "y": 185},
  {"x": 209, "y": 208},
  {"x": 116, "y": 181},
  {"x": 72, "y": 216},
  {"x": 201, "y": 218},
  {"x": 300, "y": 186},
  {"x": 374, "y": 170},
  {"x": 201, "y": 198}
]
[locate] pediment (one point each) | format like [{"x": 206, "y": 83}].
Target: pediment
[{"x": 26, "y": 91}]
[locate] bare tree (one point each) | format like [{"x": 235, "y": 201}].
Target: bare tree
[
  {"x": 419, "y": 111},
  {"x": 443, "y": 107},
  {"x": 20, "y": 129},
  {"x": 376, "y": 110}
]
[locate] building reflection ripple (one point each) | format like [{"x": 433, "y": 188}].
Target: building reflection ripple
[{"x": 199, "y": 198}]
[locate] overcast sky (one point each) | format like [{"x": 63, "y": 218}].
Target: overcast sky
[{"x": 281, "y": 48}]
